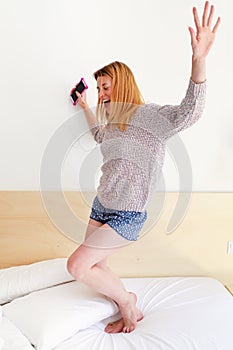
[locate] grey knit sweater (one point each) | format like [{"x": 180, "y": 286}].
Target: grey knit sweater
[{"x": 133, "y": 159}]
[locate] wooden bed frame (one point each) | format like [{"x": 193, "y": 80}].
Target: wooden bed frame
[{"x": 198, "y": 247}]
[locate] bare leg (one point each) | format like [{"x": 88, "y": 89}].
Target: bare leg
[
  {"x": 83, "y": 266},
  {"x": 92, "y": 226},
  {"x": 117, "y": 326}
]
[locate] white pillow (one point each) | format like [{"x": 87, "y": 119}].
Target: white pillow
[
  {"x": 20, "y": 280},
  {"x": 1, "y": 343},
  {"x": 50, "y": 316}
]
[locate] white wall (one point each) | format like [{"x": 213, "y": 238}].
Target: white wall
[{"x": 46, "y": 46}]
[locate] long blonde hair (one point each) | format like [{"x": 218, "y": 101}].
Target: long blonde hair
[{"x": 125, "y": 96}]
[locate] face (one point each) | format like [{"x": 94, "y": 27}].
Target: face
[{"x": 104, "y": 87}]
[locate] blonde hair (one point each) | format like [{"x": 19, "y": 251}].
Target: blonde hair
[{"x": 125, "y": 96}]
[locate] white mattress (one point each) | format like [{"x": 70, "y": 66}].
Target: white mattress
[
  {"x": 180, "y": 313},
  {"x": 11, "y": 338}
]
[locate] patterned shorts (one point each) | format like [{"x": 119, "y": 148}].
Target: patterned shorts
[{"x": 127, "y": 223}]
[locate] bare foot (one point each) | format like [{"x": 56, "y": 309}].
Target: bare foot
[{"x": 130, "y": 316}]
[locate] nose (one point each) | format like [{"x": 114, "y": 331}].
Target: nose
[{"x": 101, "y": 94}]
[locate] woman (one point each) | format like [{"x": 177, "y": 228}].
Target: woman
[{"x": 130, "y": 173}]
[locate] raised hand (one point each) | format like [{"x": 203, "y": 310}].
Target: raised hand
[
  {"x": 203, "y": 39},
  {"x": 82, "y": 99}
]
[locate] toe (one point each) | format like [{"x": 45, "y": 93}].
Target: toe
[
  {"x": 115, "y": 327},
  {"x": 108, "y": 328}
]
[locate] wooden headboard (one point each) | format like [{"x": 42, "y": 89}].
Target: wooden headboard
[{"x": 198, "y": 247}]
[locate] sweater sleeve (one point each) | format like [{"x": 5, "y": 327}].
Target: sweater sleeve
[
  {"x": 98, "y": 133},
  {"x": 180, "y": 117}
]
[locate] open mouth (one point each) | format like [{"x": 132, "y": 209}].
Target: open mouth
[{"x": 107, "y": 105}]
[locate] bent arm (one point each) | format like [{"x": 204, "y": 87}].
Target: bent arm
[
  {"x": 96, "y": 131},
  {"x": 90, "y": 117}
]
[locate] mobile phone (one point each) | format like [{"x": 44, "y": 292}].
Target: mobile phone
[{"x": 80, "y": 87}]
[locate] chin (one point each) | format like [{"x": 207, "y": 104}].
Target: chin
[{"x": 107, "y": 108}]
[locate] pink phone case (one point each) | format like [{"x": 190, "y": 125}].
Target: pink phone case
[{"x": 85, "y": 87}]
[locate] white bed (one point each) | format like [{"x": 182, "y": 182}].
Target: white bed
[
  {"x": 49, "y": 310},
  {"x": 11, "y": 337}
]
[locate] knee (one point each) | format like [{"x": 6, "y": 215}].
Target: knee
[{"x": 75, "y": 268}]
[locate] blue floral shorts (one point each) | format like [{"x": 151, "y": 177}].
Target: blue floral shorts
[{"x": 127, "y": 223}]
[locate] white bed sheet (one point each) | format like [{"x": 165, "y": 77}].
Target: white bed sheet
[
  {"x": 180, "y": 313},
  {"x": 11, "y": 337}
]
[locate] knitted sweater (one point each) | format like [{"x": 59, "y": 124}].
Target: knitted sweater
[{"x": 133, "y": 159}]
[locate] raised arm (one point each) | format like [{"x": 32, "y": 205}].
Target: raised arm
[
  {"x": 190, "y": 110},
  {"x": 90, "y": 117},
  {"x": 202, "y": 41}
]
